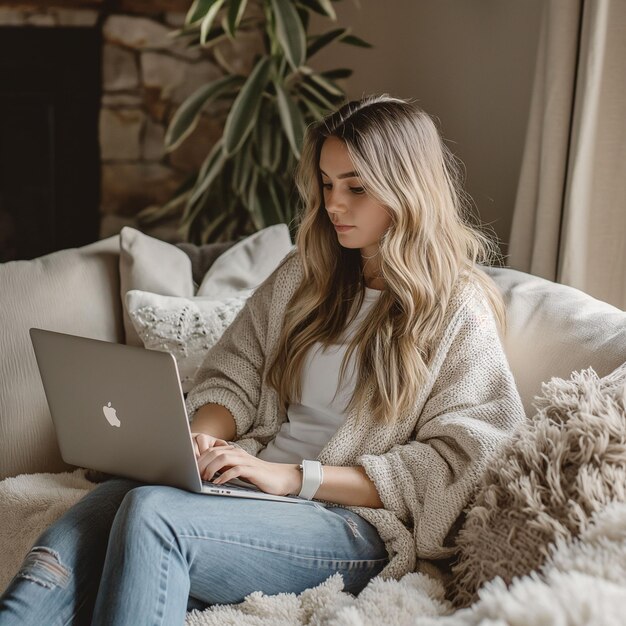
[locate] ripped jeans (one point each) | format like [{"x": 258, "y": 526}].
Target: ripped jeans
[{"x": 131, "y": 553}]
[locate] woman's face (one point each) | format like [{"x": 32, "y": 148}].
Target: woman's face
[{"x": 346, "y": 201}]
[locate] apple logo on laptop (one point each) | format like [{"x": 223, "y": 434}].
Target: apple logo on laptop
[{"x": 109, "y": 413}]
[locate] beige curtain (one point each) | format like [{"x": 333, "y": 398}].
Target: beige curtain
[{"x": 569, "y": 221}]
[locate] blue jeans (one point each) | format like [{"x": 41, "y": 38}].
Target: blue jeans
[{"x": 132, "y": 553}]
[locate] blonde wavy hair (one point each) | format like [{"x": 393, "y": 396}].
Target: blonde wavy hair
[{"x": 404, "y": 164}]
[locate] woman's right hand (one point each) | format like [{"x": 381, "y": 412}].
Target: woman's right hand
[{"x": 203, "y": 442}]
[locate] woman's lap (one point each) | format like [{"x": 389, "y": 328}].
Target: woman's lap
[
  {"x": 234, "y": 546},
  {"x": 218, "y": 550}
]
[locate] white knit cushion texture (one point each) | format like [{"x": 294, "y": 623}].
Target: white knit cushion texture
[
  {"x": 158, "y": 294},
  {"x": 184, "y": 327}
]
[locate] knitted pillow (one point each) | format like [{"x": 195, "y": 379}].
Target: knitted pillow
[
  {"x": 184, "y": 327},
  {"x": 565, "y": 463}
]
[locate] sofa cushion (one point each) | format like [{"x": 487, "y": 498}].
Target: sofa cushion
[
  {"x": 73, "y": 291},
  {"x": 155, "y": 266},
  {"x": 149, "y": 264},
  {"x": 202, "y": 257},
  {"x": 184, "y": 327},
  {"x": 248, "y": 263},
  {"x": 567, "y": 462},
  {"x": 555, "y": 329}
]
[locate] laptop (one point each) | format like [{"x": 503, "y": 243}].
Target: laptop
[{"x": 120, "y": 410}]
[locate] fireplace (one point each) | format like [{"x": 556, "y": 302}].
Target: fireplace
[
  {"x": 50, "y": 91},
  {"x": 87, "y": 90}
]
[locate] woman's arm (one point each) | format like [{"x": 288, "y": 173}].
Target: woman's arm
[
  {"x": 230, "y": 374},
  {"x": 215, "y": 420},
  {"x": 342, "y": 485}
]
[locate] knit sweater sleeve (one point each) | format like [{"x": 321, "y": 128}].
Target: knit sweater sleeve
[
  {"x": 474, "y": 406},
  {"x": 230, "y": 374}
]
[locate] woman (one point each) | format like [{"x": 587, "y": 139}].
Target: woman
[{"x": 366, "y": 375}]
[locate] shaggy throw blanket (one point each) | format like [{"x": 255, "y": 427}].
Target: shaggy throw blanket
[
  {"x": 564, "y": 464},
  {"x": 582, "y": 580}
]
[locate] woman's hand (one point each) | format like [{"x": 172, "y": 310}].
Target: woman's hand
[
  {"x": 203, "y": 442},
  {"x": 279, "y": 479}
]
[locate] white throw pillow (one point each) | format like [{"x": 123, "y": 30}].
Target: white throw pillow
[
  {"x": 184, "y": 327},
  {"x": 248, "y": 263},
  {"x": 554, "y": 330},
  {"x": 149, "y": 264}
]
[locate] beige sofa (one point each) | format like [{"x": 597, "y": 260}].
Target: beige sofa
[{"x": 553, "y": 330}]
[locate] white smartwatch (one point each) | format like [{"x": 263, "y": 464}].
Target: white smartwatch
[{"x": 312, "y": 478}]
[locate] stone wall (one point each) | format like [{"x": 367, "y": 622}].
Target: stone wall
[{"x": 146, "y": 74}]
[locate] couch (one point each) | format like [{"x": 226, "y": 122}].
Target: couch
[{"x": 553, "y": 330}]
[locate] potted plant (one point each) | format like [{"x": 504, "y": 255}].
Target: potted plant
[{"x": 246, "y": 181}]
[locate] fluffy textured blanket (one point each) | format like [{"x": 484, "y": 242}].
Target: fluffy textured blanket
[{"x": 582, "y": 580}]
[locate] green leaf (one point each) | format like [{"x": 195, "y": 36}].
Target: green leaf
[
  {"x": 152, "y": 214},
  {"x": 242, "y": 169},
  {"x": 214, "y": 36},
  {"x": 207, "y": 20},
  {"x": 314, "y": 110},
  {"x": 342, "y": 72},
  {"x": 266, "y": 206},
  {"x": 277, "y": 148},
  {"x": 323, "y": 7},
  {"x": 243, "y": 113},
  {"x": 290, "y": 32},
  {"x": 265, "y": 132},
  {"x": 253, "y": 203},
  {"x": 236, "y": 9},
  {"x": 188, "y": 113},
  {"x": 185, "y": 31},
  {"x": 186, "y": 186},
  {"x": 198, "y": 10},
  {"x": 277, "y": 200},
  {"x": 320, "y": 41},
  {"x": 327, "y": 7},
  {"x": 291, "y": 119},
  {"x": 328, "y": 86},
  {"x": 192, "y": 210},
  {"x": 215, "y": 225},
  {"x": 209, "y": 171},
  {"x": 317, "y": 96},
  {"x": 268, "y": 138},
  {"x": 356, "y": 41}
]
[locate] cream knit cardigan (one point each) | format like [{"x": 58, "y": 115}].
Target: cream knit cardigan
[{"x": 427, "y": 465}]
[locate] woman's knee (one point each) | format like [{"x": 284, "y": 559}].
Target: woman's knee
[{"x": 144, "y": 505}]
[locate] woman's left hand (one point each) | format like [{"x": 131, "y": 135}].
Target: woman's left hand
[{"x": 233, "y": 462}]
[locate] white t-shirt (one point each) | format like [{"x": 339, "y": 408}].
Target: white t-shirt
[{"x": 314, "y": 420}]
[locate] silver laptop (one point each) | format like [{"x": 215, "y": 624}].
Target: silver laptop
[{"x": 120, "y": 410}]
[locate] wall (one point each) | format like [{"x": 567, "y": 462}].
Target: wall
[{"x": 469, "y": 63}]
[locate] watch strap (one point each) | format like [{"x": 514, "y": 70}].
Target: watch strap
[{"x": 312, "y": 478}]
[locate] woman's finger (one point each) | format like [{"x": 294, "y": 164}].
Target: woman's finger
[
  {"x": 233, "y": 472},
  {"x": 204, "y": 441},
  {"x": 214, "y": 460}
]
